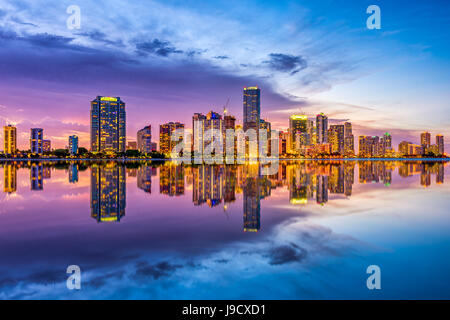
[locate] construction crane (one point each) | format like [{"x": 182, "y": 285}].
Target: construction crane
[{"x": 225, "y": 107}]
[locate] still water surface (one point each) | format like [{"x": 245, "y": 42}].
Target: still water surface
[{"x": 166, "y": 231}]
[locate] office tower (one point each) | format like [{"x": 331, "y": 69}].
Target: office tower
[
  {"x": 267, "y": 128},
  {"x": 339, "y": 133},
  {"x": 36, "y": 177},
  {"x": 406, "y": 148},
  {"x": 108, "y": 192},
  {"x": 387, "y": 143},
  {"x": 425, "y": 140},
  {"x": 10, "y": 135},
  {"x": 213, "y": 126},
  {"x": 252, "y": 108},
  {"x": 144, "y": 139},
  {"x": 230, "y": 124},
  {"x": 198, "y": 128},
  {"x": 10, "y": 178},
  {"x": 46, "y": 145},
  {"x": 73, "y": 145},
  {"x": 299, "y": 131},
  {"x": 166, "y": 131},
  {"x": 440, "y": 143},
  {"x": 349, "y": 140},
  {"x": 36, "y": 140},
  {"x": 283, "y": 142},
  {"x": 333, "y": 140},
  {"x": 322, "y": 128},
  {"x": 108, "y": 124},
  {"x": 369, "y": 146}
]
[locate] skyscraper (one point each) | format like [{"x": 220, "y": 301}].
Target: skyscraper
[
  {"x": 339, "y": 130},
  {"x": 10, "y": 178},
  {"x": 440, "y": 143},
  {"x": 144, "y": 139},
  {"x": 252, "y": 108},
  {"x": 10, "y": 135},
  {"x": 73, "y": 145},
  {"x": 298, "y": 130},
  {"x": 425, "y": 141},
  {"x": 166, "y": 131},
  {"x": 36, "y": 140},
  {"x": 322, "y": 128},
  {"x": 108, "y": 124},
  {"x": 349, "y": 140},
  {"x": 198, "y": 128}
]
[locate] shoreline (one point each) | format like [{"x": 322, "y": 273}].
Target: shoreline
[{"x": 182, "y": 160}]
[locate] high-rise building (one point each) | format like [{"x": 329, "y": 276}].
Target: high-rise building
[
  {"x": 213, "y": 126},
  {"x": 229, "y": 122},
  {"x": 349, "y": 140},
  {"x": 46, "y": 145},
  {"x": 108, "y": 124},
  {"x": 425, "y": 140},
  {"x": 73, "y": 145},
  {"x": 339, "y": 133},
  {"x": 36, "y": 140},
  {"x": 198, "y": 129},
  {"x": 166, "y": 131},
  {"x": 322, "y": 128},
  {"x": 299, "y": 129},
  {"x": 267, "y": 128},
  {"x": 440, "y": 143},
  {"x": 10, "y": 135},
  {"x": 144, "y": 139},
  {"x": 252, "y": 108}
]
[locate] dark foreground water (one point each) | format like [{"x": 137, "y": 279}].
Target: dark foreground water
[{"x": 165, "y": 231}]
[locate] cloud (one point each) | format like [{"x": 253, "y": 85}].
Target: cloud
[
  {"x": 286, "y": 254},
  {"x": 286, "y": 63},
  {"x": 99, "y": 36},
  {"x": 161, "y": 269},
  {"x": 157, "y": 47}
]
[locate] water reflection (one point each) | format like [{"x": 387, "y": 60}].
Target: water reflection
[
  {"x": 308, "y": 231},
  {"x": 108, "y": 192},
  {"x": 213, "y": 185}
]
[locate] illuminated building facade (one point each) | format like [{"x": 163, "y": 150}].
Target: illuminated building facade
[
  {"x": 166, "y": 131},
  {"x": 46, "y": 145},
  {"x": 36, "y": 140},
  {"x": 144, "y": 140},
  {"x": 73, "y": 145},
  {"x": 440, "y": 143},
  {"x": 36, "y": 177},
  {"x": 108, "y": 124},
  {"x": 337, "y": 132},
  {"x": 322, "y": 128},
  {"x": 252, "y": 108},
  {"x": 10, "y": 139},
  {"x": 425, "y": 140},
  {"x": 349, "y": 140}
]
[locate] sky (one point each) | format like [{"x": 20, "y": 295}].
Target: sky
[{"x": 168, "y": 59}]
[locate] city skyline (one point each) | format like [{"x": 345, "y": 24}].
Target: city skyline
[{"x": 395, "y": 78}]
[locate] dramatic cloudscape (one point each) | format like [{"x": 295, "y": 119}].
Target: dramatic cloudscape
[{"x": 168, "y": 59}]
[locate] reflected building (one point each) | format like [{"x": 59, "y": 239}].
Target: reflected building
[
  {"x": 322, "y": 189},
  {"x": 108, "y": 192},
  {"x": 171, "y": 179},
  {"x": 144, "y": 178},
  {"x": 10, "y": 178},
  {"x": 37, "y": 176},
  {"x": 73, "y": 173}
]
